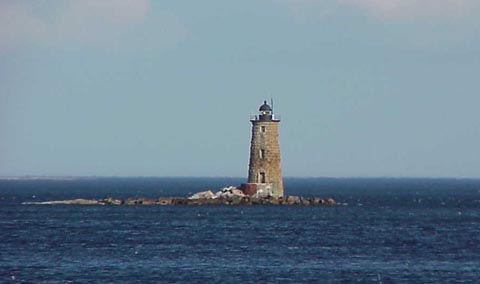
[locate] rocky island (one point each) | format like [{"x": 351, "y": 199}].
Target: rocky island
[{"x": 227, "y": 196}]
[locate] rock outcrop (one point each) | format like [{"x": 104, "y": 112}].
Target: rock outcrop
[
  {"x": 79, "y": 201},
  {"x": 202, "y": 195},
  {"x": 229, "y": 192}
]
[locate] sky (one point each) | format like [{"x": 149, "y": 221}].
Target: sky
[{"x": 365, "y": 88}]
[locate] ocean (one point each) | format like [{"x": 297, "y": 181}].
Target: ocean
[{"x": 387, "y": 230}]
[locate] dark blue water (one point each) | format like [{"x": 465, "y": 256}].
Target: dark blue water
[{"x": 391, "y": 231}]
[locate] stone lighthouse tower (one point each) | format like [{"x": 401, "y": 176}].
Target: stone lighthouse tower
[{"x": 264, "y": 171}]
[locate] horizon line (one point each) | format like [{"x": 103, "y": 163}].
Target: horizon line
[{"x": 72, "y": 177}]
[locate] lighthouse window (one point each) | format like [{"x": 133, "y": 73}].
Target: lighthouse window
[
  {"x": 262, "y": 153},
  {"x": 263, "y": 128}
]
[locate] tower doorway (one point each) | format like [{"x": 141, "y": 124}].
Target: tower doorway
[{"x": 261, "y": 177}]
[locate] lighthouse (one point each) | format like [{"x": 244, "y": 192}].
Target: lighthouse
[{"x": 264, "y": 169}]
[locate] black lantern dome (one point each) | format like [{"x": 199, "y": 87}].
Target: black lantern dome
[{"x": 265, "y": 107}]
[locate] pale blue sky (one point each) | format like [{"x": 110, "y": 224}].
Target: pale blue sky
[{"x": 165, "y": 88}]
